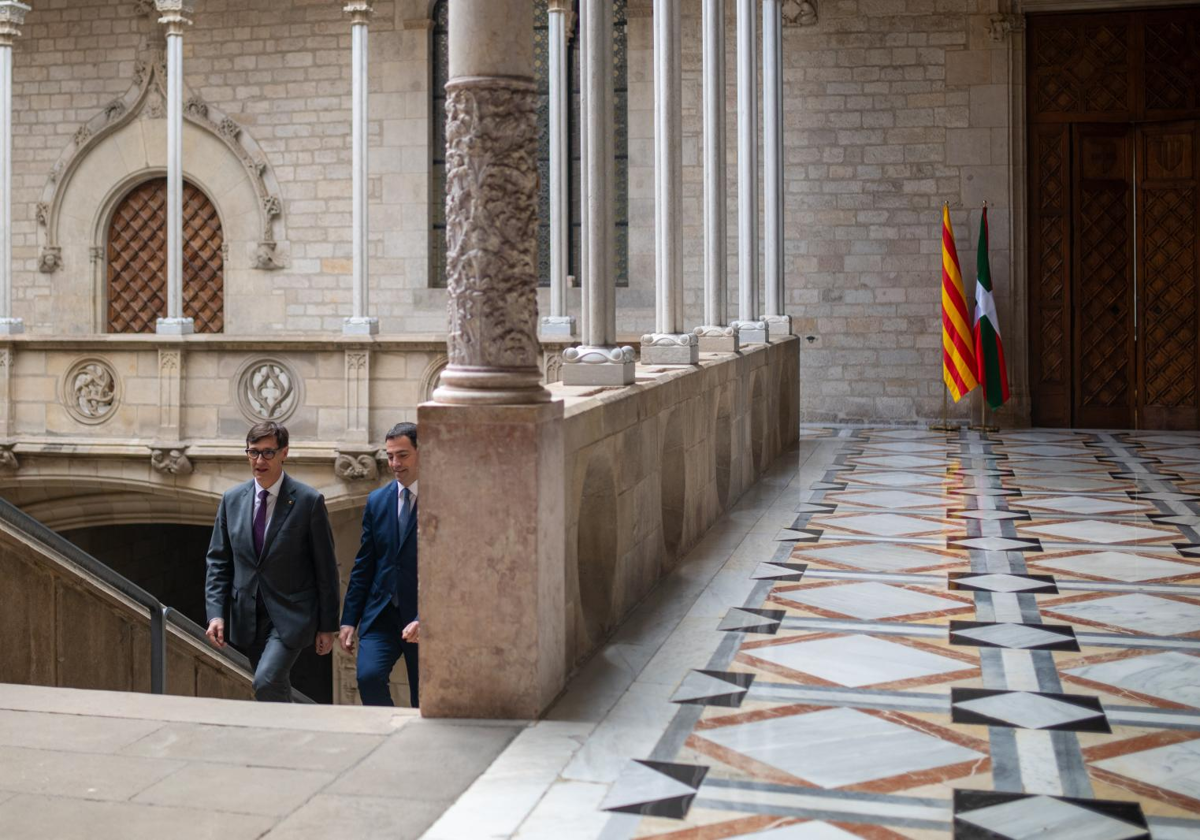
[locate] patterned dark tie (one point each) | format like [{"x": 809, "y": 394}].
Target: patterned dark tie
[
  {"x": 260, "y": 523},
  {"x": 405, "y": 513}
]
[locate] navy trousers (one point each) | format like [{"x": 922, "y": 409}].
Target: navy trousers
[{"x": 378, "y": 650}]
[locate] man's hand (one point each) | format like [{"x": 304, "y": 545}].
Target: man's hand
[
  {"x": 346, "y": 638},
  {"x": 325, "y": 643},
  {"x": 412, "y": 632},
  {"x": 216, "y": 632}
]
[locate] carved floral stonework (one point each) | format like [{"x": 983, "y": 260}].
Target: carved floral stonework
[
  {"x": 268, "y": 389},
  {"x": 356, "y": 467},
  {"x": 90, "y": 391},
  {"x": 491, "y": 223},
  {"x": 171, "y": 462},
  {"x": 799, "y": 12}
]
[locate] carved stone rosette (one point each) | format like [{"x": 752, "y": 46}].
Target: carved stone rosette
[{"x": 491, "y": 244}]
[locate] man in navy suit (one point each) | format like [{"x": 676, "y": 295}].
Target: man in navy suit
[{"x": 381, "y": 600}]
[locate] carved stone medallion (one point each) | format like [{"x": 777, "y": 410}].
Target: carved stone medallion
[
  {"x": 90, "y": 391},
  {"x": 268, "y": 389}
]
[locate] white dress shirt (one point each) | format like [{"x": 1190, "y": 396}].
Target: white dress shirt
[{"x": 272, "y": 498}]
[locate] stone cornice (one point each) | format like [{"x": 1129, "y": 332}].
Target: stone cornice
[{"x": 12, "y": 16}]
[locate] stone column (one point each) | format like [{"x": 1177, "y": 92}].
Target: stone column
[
  {"x": 751, "y": 329},
  {"x": 359, "y": 323},
  {"x": 598, "y": 361},
  {"x": 175, "y": 16},
  {"x": 491, "y": 517},
  {"x": 12, "y": 15},
  {"x": 778, "y": 324},
  {"x": 716, "y": 335},
  {"x": 668, "y": 344},
  {"x": 558, "y": 322}
]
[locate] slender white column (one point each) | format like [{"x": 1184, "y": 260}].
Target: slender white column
[
  {"x": 12, "y": 15},
  {"x": 716, "y": 334},
  {"x": 598, "y": 361},
  {"x": 752, "y": 330},
  {"x": 360, "y": 323},
  {"x": 558, "y": 323},
  {"x": 176, "y": 16},
  {"x": 669, "y": 344},
  {"x": 778, "y": 324}
]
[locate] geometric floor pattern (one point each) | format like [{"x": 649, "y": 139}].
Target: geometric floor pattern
[{"x": 962, "y": 635}]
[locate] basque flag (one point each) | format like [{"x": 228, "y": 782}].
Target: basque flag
[{"x": 989, "y": 351}]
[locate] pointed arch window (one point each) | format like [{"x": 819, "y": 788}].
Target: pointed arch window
[
  {"x": 541, "y": 60},
  {"x": 137, "y": 260}
]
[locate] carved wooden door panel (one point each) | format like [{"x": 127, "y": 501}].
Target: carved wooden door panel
[
  {"x": 1105, "y": 377},
  {"x": 1168, "y": 293},
  {"x": 137, "y": 260}
]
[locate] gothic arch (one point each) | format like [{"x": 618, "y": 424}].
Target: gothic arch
[{"x": 125, "y": 143}]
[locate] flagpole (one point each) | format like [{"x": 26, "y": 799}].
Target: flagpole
[
  {"x": 982, "y": 425},
  {"x": 945, "y": 426}
]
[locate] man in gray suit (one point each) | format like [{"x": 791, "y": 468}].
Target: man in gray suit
[{"x": 272, "y": 573}]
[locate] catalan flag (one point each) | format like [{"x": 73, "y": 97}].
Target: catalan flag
[
  {"x": 958, "y": 347},
  {"x": 989, "y": 351}
]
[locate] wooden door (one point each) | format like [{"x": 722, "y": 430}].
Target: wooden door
[
  {"x": 1168, "y": 271},
  {"x": 1104, "y": 373}
]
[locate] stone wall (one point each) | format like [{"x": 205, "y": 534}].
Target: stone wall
[
  {"x": 649, "y": 469},
  {"x": 65, "y": 629}
]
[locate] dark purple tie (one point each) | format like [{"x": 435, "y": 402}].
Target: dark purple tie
[{"x": 260, "y": 523}]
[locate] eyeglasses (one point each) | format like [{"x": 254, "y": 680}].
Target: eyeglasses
[{"x": 265, "y": 454}]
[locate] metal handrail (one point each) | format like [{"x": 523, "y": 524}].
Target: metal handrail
[{"x": 160, "y": 614}]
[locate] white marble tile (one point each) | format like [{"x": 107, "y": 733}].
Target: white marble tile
[
  {"x": 1096, "y": 531},
  {"x": 639, "y": 784},
  {"x": 1175, "y": 767},
  {"x": 811, "y": 830},
  {"x": 1012, "y": 635},
  {"x": 1069, "y": 483},
  {"x": 877, "y": 557},
  {"x": 999, "y": 582},
  {"x": 630, "y": 730},
  {"x": 1031, "y": 711},
  {"x": 993, "y": 543},
  {"x": 837, "y": 747},
  {"x": 870, "y": 600},
  {"x": 1172, "y": 676},
  {"x": 569, "y": 811},
  {"x": 894, "y": 499},
  {"x": 1037, "y": 761},
  {"x": 895, "y": 478},
  {"x": 1183, "y": 453},
  {"x": 1054, "y": 465},
  {"x": 902, "y": 462},
  {"x": 906, "y": 447},
  {"x": 1049, "y": 450},
  {"x": 1043, "y": 817},
  {"x": 882, "y": 524},
  {"x": 855, "y": 661},
  {"x": 1139, "y": 613},
  {"x": 1118, "y": 565},
  {"x": 1090, "y": 505},
  {"x": 690, "y": 646}
]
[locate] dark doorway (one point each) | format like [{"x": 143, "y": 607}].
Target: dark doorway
[
  {"x": 1114, "y": 219},
  {"x": 168, "y": 562}
]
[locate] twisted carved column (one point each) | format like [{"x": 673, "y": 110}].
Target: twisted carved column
[
  {"x": 491, "y": 209},
  {"x": 12, "y": 15}
]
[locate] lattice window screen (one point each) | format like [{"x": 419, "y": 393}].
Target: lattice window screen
[{"x": 137, "y": 260}]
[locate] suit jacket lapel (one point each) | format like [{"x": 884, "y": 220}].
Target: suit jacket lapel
[
  {"x": 243, "y": 519},
  {"x": 283, "y": 506}
]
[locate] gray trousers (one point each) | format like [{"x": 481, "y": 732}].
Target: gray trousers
[{"x": 271, "y": 660}]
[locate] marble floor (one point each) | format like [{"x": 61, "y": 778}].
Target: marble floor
[{"x": 965, "y": 635}]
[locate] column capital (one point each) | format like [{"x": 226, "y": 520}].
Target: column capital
[
  {"x": 12, "y": 15},
  {"x": 559, "y": 6},
  {"x": 175, "y": 14},
  {"x": 360, "y": 11}
]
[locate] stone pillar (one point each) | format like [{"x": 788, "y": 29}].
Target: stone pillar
[
  {"x": 598, "y": 361},
  {"x": 558, "y": 322},
  {"x": 716, "y": 335},
  {"x": 175, "y": 16},
  {"x": 491, "y": 517},
  {"x": 751, "y": 329},
  {"x": 12, "y": 15},
  {"x": 359, "y": 323},
  {"x": 668, "y": 344},
  {"x": 778, "y": 324}
]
